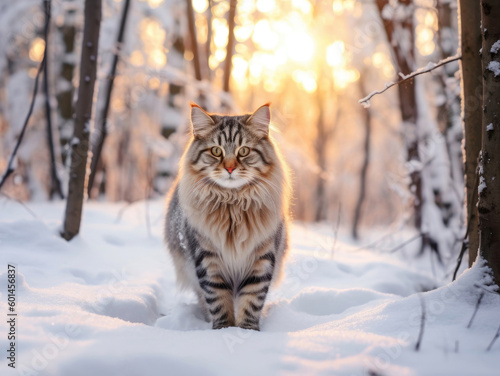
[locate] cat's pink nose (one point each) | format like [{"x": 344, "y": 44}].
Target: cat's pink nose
[{"x": 230, "y": 169}]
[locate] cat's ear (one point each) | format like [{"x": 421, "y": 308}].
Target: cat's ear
[
  {"x": 260, "y": 120},
  {"x": 201, "y": 121}
]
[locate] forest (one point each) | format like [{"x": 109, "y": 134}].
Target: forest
[{"x": 386, "y": 113}]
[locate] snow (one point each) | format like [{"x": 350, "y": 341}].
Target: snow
[
  {"x": 494, "y": 66},
  {"x": 106, "y": 303},
  {"x": 495, "y": 47},
  {"x": 489, "y": 127},
  {"x": 482, "y": 184}
]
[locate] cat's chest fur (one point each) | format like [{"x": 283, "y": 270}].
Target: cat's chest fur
[{"x": 235, "y": 224}]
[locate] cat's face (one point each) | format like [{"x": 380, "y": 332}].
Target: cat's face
[{"x": 231, "y": 151}]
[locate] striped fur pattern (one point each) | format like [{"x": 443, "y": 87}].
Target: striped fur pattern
[{"x": 226, "y": 225}]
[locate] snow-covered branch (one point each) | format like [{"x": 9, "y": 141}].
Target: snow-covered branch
[{"x": 365, "y": 102}]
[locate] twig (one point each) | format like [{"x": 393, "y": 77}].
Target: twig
[
  {"x": 476, "y": 309},
  {"x": 366, "y": 100},
  {"x": 493, "y": 340},
  {"x": 336, "y": 230},
  {"x": 10, "y": 165},
  {"x": 149, "y": 183},
  {"x": 122, "y": 210},
  {"x": 422, "y": 323},
  {"x": 20, "y": 203},
  {"x": 406, "y": 242}
]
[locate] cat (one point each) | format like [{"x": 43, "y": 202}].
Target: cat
[{"x": 227, "y": 214}]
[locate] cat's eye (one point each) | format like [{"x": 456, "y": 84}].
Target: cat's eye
[
  {"x": 216, "y": 151},
  {"x": 244, "y": 151}
]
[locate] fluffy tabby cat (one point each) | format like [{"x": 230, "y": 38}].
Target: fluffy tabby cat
[{"x": 226, "y": 225}]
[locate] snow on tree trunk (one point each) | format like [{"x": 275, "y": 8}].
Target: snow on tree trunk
[
  {"x": 472, "y": 94},
  {"x": 66, "y": 71},
  {"x": 80, "y": 141},
  {"x": 489, "y": 178},
  {"x": 400, "y": 35}
]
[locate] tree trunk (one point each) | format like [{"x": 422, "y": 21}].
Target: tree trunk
[
  {"x": 80, "y": 140},
  {"x": 449, "y": 109},
  {"x": 364, "y": 168},
  {"x": 230, "y": 45},
  {"x": 102, "y": 118},
  {"x": 400, "y": 35},
  {"x": 193, "y": 40},
  {"x": 404, "y": 56},
  {"x": 55, "y": 182},
  {"x": 472, "y": 97},
  {"x": 66, "y": 73},
  {"x": 489, "y": 179},
  {"x": 320, "y": 147},
  {"x": 208, "y": 45}
]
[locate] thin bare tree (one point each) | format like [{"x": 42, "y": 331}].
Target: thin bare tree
[
  {"x": 489, "y": 178},
  {"x": 55, "y": 182},
  {"x": 83, "y": 114},
  {"x": 230, "y": 45},
  {"x": 401, "y": 37},
  {"x": 193, "y": 41},
  {"x": 364, "y": 167},
  {"x": 102, "y": 116}
]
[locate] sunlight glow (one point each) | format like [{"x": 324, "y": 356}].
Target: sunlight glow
[
  {"x": 37, "y": 49},
  {"x": 266, "y": 6},
  {"x": 200, "y": 6},
  {"x": 302, "y": 5},
  {"x": 425, "y": 40},
  {"x": 153, "y": 37},
  {"x": 154, "y": 3},
  {"x": 242, "y": 33},
  {"x": 246, "y": 6},
  {"x": 221, "y": 32},
  {"x": 300, "y": 47},
  {"x": 240, "y": 67},
  {"x": 137, "y": 58},
  {"x": 343, "y": 77},
  {"x": 335, "y": 54},
  {"x": 306, "y": 78},
  {"x": 339, "y": 6},
  {"x": 264, "y": 36}
]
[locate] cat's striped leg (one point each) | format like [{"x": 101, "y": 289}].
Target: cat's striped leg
[
  {"x": 252, "y": 291},
  {"x": 216, "y": 292}
]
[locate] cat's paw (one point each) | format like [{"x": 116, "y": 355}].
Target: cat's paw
[
  {"x": 220, "y": 326},
  {"x": 250, "y": 326}
]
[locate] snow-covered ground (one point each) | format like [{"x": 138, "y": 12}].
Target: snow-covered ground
[{"x": 106, "y": 304}]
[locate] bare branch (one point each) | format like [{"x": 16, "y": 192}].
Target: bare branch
[
  {"x": 476, "y": 309},
  {"x": 493, "y": 340},
  {"x": 422, "y": 323},
  {"x": 10, "y": 165},
  {"x": 365, "y": 102},
  {"x": 20, "y": 203}
]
